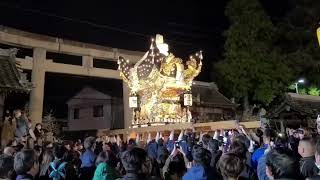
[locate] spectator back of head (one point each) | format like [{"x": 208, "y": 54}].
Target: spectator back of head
[
  {"x": 133, "y": 159},
  {"x": 177, "y": 166},
  {"x": 205, "y": 139},
  {"x": 6, "y": 166},
  {"x": 281, "y": 163},
  {"x": 58, "y": 151},
  {"x": 106, "y": 157},
  {"x": 89, "y": 142},
  {"x": 230, "y": 166},
  {"x": 24, "y": 161},
  {"x": 239, "y": 148},
  {"x": 242, "y": 139},
  {"x": 213, "y": 145},
  {"x": 200, "y": 155},
  {"x": 268, "y": 133}
]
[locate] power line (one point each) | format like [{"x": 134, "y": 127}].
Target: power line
[{"x": 90, "y": 23}]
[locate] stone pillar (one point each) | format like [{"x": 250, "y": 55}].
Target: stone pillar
[
  {"x": 87, "y": 61},
  {"x": 38, "y": 79},
  {"x": 126, "y": 110}
]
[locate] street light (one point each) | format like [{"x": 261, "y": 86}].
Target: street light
[{"x": 300, "y": 81}]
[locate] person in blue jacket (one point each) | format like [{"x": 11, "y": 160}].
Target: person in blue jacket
[
  {"x": 199, "y": 169},
  {"x": 260, "y": 151}
]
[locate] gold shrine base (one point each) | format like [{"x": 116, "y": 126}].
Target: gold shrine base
[{"x": 204, "y": 127}]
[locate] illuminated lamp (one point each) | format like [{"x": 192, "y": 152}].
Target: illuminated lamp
[
  {"x": 133, "y": 101},
  {"x": 187, "y": 99}
]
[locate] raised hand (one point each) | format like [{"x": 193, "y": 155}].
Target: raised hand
[
  {"x": 157, "y": 136},
  {"x": 137, "y": 138},
  {"x": 149, "y": 139},
  {"x": 171, "y": 137},
  {"x": 180, "y": 135}
]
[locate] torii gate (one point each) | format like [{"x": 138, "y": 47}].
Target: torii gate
[{"x": 39, "y": 65}]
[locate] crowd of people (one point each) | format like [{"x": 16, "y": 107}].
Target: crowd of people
[{"x": 222, "y": 154}]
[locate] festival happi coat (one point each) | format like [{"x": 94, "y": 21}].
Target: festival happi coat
[{"x": 157, "y": 83}]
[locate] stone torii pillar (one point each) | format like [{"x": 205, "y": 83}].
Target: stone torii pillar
[
  {"x": 38, "y": 79},
  {"x": 127, "y": 113}
]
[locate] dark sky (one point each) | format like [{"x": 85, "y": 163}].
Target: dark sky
[{"x": 187, "y": 26}]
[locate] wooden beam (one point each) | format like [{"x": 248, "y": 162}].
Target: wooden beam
[
  {"x": 53, "y": 67},
  {"x": 81, "y": 71},
  {"x": 211, "y": 126}
]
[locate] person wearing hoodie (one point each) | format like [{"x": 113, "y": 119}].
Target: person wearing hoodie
[
  {"x": 282, "y": 165},
  {"x": 198, "y": 171},
  {"x": 105, "y": 166}
]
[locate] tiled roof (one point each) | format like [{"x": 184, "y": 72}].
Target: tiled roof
[
  {"x": 210, "y": 95},
  {"x": 11, "y": 77},
  {"x": 305, "y": 104}
]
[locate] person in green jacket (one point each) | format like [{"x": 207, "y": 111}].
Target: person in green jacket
[{"x": 105, "y": 169}]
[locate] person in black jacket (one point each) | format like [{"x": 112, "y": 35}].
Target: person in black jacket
[
  {"x": 38, "y": 131},
  {"x": 282, "y": 164},
  {"x": 213, "y": 147},
  {"x": 317, "y": 161},
  {"x": 306, "y": 149}
]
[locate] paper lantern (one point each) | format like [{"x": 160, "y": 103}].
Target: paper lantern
[
  {"x": 188, "y": 99},
  {"x": 133, "y": 101}
]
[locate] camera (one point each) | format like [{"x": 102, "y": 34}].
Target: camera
[{"x": 299, "y": 131}]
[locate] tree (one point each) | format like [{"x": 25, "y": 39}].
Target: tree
[
  {"x": 252, "y": 69},
  {"x": 298, "y": 39},
  {"x": 314, "y": 91}
]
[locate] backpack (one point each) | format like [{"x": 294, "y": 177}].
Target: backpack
[{"x": 57, "y": 173}]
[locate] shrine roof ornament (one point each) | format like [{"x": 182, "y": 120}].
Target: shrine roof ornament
[
  {"x": 158, "y": 61},
  {"x": 159, "y": 78}
]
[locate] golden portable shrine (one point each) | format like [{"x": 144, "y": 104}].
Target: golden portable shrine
[
  {"x": 160, "y": 85},
  {"x": 318, "y": 35}
]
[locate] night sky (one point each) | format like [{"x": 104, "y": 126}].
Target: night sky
[{"x": 187, "y": 26}]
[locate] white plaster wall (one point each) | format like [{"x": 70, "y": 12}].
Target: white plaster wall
[{"x": 86, "y": 120}]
